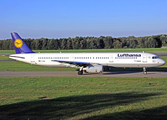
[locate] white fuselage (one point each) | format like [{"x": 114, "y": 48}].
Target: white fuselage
[{"x": 105, "y": 59}]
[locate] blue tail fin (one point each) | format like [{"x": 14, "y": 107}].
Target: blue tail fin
[{"x": 19, "y": 45}]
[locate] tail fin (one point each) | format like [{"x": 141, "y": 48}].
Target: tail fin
[{"x": 19, "y": 45}]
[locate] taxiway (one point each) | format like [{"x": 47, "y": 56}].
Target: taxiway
[{"x": 150, "y": 74}]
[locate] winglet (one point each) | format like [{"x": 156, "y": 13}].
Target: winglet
[{"x": 19, "y": 45}]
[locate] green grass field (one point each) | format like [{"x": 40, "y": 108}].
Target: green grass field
[
  {"x": 71, "y": 98},
  {"x": 150, "y": 50}
]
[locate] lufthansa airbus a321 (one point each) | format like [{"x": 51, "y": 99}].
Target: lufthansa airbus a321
[{"x": 86, "y": 62}]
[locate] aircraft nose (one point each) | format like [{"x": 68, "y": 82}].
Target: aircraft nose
[{"x": 162, "y": 62}]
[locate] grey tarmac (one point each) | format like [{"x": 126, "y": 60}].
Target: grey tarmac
[{"x": 150, "y": 74}]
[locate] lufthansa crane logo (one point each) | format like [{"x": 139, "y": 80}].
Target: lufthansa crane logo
[{"x": 18, "y": 43}]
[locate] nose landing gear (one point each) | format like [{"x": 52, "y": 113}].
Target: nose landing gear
[{"x": 144, "y": 71}]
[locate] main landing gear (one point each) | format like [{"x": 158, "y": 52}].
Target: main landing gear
[
  {"x": 144, "y": 71},
  {"x": 80, "y": 72}
]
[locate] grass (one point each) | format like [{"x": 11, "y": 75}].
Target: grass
[
  {"x": 150, "y": 50},
  {"x": 4, "y": 58},
  {"x": 71, "y": 98}
]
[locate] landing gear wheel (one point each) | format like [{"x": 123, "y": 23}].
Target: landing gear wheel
[
  {"x": 80, "y": 72},
  {"x": 145, "y": 72}
]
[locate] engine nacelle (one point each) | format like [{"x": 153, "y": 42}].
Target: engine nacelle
[{"x": 94, "y": 69}]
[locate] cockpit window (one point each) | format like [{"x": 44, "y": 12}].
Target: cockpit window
[{"x": 154, "y": 57}]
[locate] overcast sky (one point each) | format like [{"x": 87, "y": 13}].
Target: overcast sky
[{"x": 70, "y": 18}]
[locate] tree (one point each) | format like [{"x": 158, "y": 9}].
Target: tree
[
  {"x": 11, "y": 46},
  {"x": 93, "y": 44},
  {"x": 63, "y": 44},
  {"x": 133, "y": 44},
  {"x": 123, "y": 41},
  {"x": 44, "y": 43},
  {"x": 90, "y": 43},
  {"x": 1, "y": 43},
  {"x": 117, "y": 44},
  {"x": 76, "y": 43},
  {"x": 33, "y": 44},
  {"x": 51, "y": 44},
  {"x": 163, "y": 39},
  {"x": 83, "y": 44},
  {"x": 28, "y": 42},
  {"x": 151, "y": 42},
  {"x": 100, "y": 43},
  {"x": 141, "y": 42},
  {"x": 38, "y": 44},
  {"x": 108, "y": 42},
  {"x": 6, "y": 44}
]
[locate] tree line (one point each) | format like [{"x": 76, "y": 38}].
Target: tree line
[{"x": 101, "y": 42}]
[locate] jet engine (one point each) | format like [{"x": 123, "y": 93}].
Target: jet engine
[{"x": 93, "y": 69}]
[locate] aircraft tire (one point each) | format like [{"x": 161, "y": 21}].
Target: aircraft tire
[
  {"x": 80, "y": 72},
  {"x": 144, "y": 72}
]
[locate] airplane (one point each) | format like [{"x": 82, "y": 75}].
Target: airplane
[{"x": 86, "y": 62}]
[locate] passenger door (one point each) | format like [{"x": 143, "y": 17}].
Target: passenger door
[
  {"x": 144, "y": 58},
  {"x": 32, "y": 59},
  {"x": 111, "y": 59}
]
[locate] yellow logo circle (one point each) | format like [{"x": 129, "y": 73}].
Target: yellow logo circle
[{"x": 18, "y": 43}]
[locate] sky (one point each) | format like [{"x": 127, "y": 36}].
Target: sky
[{"x": 71, "y": 18}]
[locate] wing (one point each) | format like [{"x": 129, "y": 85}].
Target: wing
[{"x": 78, "y": 63}]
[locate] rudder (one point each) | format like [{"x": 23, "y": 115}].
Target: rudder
[{"x": 19, "y": 45}]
